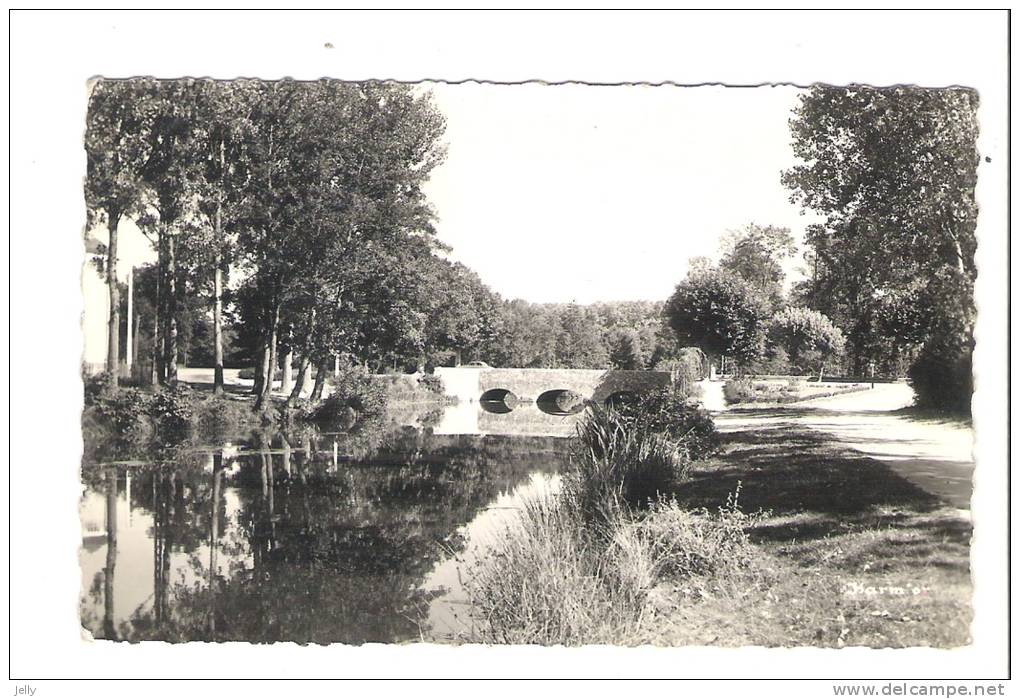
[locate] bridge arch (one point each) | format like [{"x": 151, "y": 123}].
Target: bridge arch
[
  {"x": 618, "y": 398},
  {"x": 498, "y": 400},
  {"x": 560, "y": 401}
]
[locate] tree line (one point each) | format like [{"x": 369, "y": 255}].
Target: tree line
[
  {"x": 309, "y": 194},
  {"x": 889, "y": 273},
  {"x": 892, "y": 171},
  {"x": 290, "y": 226}
]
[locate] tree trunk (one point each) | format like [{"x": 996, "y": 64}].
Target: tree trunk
[
  {"x": 158, "y": 373},
  {"x": 270, "y": 359},
  {"x": 135, "y": 346},
  {"x": 218, "y": 325},
  {"x": 170, "y": 337},
  {"x": 306, "y": 350},
  {"x": 214, "y": 537},
  {"x": 129, "y": 343},
  {"x": 218, "y": 280},
  {"x": 267, "y": 388},
  {"x": 260, "y": 369},
  {"x": 113, "y": 331},
  {"x": 157, "y": 362},
  {"x": 320, "y": 378},
  {"x": 288, "y": 372},
  {"x": 302, "y": 376}
]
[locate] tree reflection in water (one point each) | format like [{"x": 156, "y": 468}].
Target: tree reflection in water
[{"x": 299, "y": 536}]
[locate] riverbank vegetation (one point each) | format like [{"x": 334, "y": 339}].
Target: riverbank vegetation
[
  {"x": 779, "y": 538},
  {"x": 133, "y": 416}
]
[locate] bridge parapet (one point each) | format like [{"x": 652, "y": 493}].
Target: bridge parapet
[{"x": 470, "y": 383}]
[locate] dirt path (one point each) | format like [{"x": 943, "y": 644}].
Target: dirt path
[{"x": 936, "y": 455}]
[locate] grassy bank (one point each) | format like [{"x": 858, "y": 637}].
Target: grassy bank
[{"x": 782, "y": 538}]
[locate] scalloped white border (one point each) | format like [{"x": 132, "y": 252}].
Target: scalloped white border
[{"x": 55, "y": 53}]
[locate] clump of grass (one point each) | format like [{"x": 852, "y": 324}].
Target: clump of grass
[
  {"x": 603, "y": 559},
  {"x": 673, "y": 412},
  {"x": 704, "y": 550},
  {"x": 549, "y": 580},
  {"x": 618, "y": 462},
  {"x": 546, "y": 581}
]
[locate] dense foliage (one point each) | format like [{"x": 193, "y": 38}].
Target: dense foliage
[
  {"x": 806, "y": 336},
  {"x": 893, "y": 171},
  {"x": 720, "y": 313},
  {"x": 631, "y": 453}
]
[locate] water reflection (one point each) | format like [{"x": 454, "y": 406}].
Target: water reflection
[{"x": 306, "y": 536}]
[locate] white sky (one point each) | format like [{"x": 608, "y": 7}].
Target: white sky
[
  {"x": 579, "y": 193},
  {"x": 561, "y": 193}
]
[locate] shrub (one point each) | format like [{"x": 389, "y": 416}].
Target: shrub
[
  {"x": 739, "y": 391},
  {"x": 217, "y": 416},
  {"x": 618, "y": 461},
  {"x": 97, "y": 386},
  {"x": 431, "y": 383},
  {"x": 124, "y": 411},
  {"x": 693, "y": 544},
  {"x": 672, "y": 413},
  {"x": 171, "y": 407},
  {"x": 354, "y": 395},
  {"x": 942, "y": 375}
]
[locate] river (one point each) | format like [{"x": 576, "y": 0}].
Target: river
[{"x": 362, "y": 536}]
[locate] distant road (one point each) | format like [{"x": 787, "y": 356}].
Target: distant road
[
  {"x": 232, "y": 379},
  {"x": 936, "y": 455}
]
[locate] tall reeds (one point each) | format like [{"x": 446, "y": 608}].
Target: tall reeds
[
  {"x": 618, "y": 461},
  {"x": 599, "y": 561}
]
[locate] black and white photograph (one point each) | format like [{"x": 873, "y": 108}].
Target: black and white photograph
[{"x": 549, "y": 362}]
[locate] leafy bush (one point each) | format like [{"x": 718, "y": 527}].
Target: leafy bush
[
  {"x": 739, "y": 391},
  {"x": 354, "y": 395},
  {"x": 619, "y": 461},
  {"x": 942, "y": 375},
  {"x": 216, "y": 417},
  {"x": 97, "y": 386},
  {"x": 432, "y": 383},
  {"x": 124, "y": 411},
  {"x": 689, "y": 544},
  {"x": 808, "y": 337},
  {"x": 171, "y": 407},
  {"x": 671, "y": 412}
]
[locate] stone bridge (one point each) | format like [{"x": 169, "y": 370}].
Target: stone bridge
[{"x": 472, "y": 384}]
